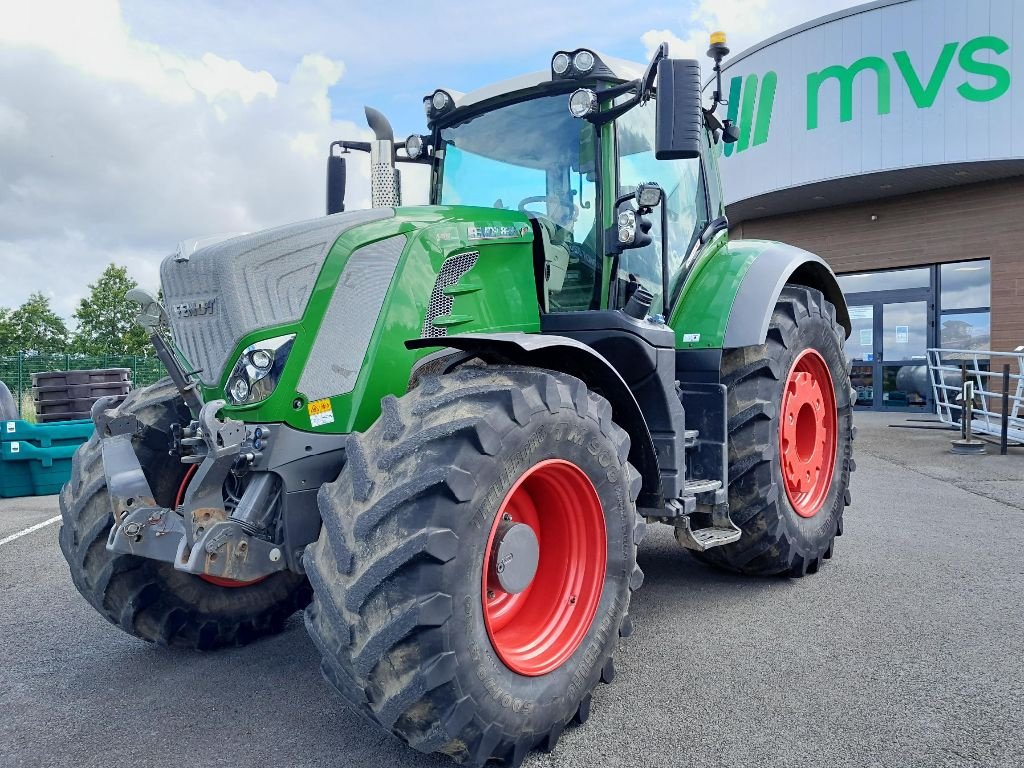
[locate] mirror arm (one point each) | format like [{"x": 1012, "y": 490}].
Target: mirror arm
[
  {"x": 359, "y": 146},
  {"x": 652, "y": 70}
]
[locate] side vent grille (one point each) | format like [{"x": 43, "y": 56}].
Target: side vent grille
[{"x": 452, "y": 270}]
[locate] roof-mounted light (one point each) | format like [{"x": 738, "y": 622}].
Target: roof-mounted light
[
  {"x": 583, "y": 61},
  {"x": 560, "y": 63},
  {"x": 438, "y": 103},
  {"x": 571, "y": 64},
  {"x": 440, "y": 100},
  {"x": 718, "y": 50}
]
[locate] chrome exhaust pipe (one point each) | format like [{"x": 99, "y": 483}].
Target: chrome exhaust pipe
[{"x": 385, "y": 180}]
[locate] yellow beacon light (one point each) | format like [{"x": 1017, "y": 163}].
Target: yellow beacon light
[{"x": 718, "y": 38}]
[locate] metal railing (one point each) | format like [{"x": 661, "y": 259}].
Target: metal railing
[
  {"x": 998, "y": 403},
  {"x": 16, "y": 370}
]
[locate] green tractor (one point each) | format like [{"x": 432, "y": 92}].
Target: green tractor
[{"x": 443, "y": 430}]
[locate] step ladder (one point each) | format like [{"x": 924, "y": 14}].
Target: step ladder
[{"x": 722, "y": 529}]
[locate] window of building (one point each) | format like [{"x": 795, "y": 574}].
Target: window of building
[
  {"x": 888, "y": 280},
  {"x": 965, "y": 320}
]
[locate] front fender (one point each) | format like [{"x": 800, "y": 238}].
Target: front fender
[{"x": 560, "y": 353}]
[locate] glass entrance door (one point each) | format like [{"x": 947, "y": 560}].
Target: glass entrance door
[{"x": 887, "y": 350}]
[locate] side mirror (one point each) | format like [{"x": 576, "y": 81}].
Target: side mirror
[
  {"x": 680, "y": 116},
  {"x": 335, "y": 184}
]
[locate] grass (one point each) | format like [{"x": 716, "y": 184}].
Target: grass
[{"x": 28, "y": 408}]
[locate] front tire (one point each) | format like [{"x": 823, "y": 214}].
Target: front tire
[
  {"x": 790, "y": 441},
  {"x": 149, "y": 598},
  {"x": 409, "y": 612}
]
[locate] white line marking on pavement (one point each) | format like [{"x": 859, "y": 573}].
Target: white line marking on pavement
[{"x": 30, "y": 529}]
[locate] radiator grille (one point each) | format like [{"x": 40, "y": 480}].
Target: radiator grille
[{"x": 440, "y": 305}]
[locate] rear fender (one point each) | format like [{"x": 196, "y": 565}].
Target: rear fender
[
  {"x": 560, "y": 353},
  {"x": 728, "y": 300}
]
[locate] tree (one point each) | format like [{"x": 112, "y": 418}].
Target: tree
[
  {"x": 106, "y": 319},
  {"x": 7, "y": 345},
  {"x": 35, "y": 328}
]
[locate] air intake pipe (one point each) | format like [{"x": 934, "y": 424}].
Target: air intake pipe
[{"x": 385, "y": 181}]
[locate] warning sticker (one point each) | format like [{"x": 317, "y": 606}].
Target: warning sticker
[
  {"x": 15, "y": 447},
  {"x": 11, "y": 426},
  {"x": 320, "y": 413}
]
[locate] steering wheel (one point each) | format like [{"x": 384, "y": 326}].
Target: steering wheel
[{"x": 530, "y": 201}]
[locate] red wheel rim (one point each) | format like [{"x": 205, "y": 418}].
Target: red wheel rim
[
  {"x": 537, "y": 630},
  {"x": 807, "y": 433},
  {"x": 220, "y": 581}
]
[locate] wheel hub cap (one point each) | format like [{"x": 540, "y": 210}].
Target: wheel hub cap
[
  {"x": 515, "y": 559},
  {"x": 807, "y": 433},
  {"x": 544, "y": 568}
]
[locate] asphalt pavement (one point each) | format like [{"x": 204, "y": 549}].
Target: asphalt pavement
[{"x": 906, "y": 649}]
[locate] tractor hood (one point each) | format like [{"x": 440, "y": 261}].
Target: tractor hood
[{"x": 220, "y": 293}]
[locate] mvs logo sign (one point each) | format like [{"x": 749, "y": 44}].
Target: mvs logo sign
[
  {"x": 750, "y": 107},
  {"x": 982, "y": 77}
]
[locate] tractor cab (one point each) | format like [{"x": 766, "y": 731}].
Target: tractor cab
[{"x": 569, "y": 147}]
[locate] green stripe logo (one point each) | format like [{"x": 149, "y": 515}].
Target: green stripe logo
[{"x": 751, "y": 109}]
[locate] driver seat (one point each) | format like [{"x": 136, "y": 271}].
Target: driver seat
[{"x": 550, "y": 260}]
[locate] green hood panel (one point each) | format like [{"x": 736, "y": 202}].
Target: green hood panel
[{"x": 497, "y": 293}]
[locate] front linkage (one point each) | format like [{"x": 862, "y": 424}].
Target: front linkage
[
  {"x": 201, "y": 536},
  {"x": 245, "y": 509}
]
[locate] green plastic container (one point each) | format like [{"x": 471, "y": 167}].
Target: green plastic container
[{"x": 35, "y": 459}]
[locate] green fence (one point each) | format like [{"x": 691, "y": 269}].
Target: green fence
[{"x": 16, "y": 370}]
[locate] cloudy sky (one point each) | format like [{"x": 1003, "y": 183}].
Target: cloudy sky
[{"x": 128, "y": 126}]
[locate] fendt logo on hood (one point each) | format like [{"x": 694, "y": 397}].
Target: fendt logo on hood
[
  {"x": 195, "y": 308},
  {"x": 750, "y": 109}
]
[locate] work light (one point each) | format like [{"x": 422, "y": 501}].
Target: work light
[
  {"x": 440, "y": 100},
  {"x": 414, "y": 146},
  {"x": 583, "y": 61},
  {"x": 583, "y": 102},
  {"x": 648, "y": 195},
  {"x": 560, "y": 63}
]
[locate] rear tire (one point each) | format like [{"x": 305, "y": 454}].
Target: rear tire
[
  {"x": 785, "y": 531},
  {"x": 149, "y": 598},
  {"x": 8, "y": 408},
  {"x": 400, "y": 586}
]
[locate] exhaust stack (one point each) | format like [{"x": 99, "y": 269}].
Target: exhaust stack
[{"x": 385, "y": 180}]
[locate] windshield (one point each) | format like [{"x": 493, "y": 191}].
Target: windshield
[{"x": 535, "y": 157}]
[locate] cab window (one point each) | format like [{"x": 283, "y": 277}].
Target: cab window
[{"x": 685, "y": 201}]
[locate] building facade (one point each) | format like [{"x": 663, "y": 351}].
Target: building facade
[{"x": 889, "y": 140}]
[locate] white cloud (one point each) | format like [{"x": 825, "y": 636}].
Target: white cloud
[
  {"x": 113, "y": 148},
  {"x": 745, "y": 22}
]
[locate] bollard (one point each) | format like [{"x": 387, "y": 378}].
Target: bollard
[
  {"x": 1004, "y": 426},
  {"x": 967, "y": 444}
]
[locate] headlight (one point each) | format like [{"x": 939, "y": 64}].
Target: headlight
[
  {"x": 627, "y": 227},
  {"x": 258, "y": 370}
]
